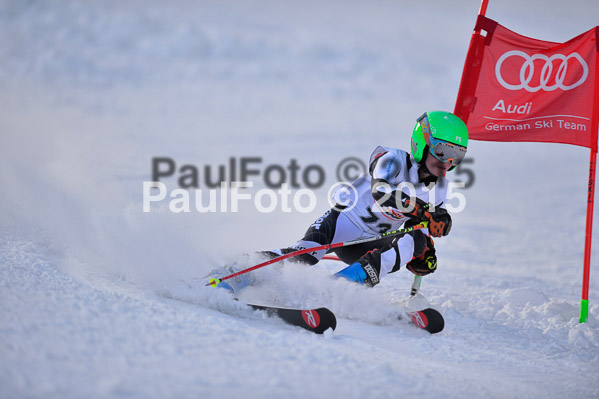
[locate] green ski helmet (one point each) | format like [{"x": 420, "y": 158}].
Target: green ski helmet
[{"x": 445, "y": 135}]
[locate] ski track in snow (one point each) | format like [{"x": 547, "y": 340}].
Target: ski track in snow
[{"x": 98, "y": 299}]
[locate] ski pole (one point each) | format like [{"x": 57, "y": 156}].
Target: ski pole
[
  {"x": 416, "y": 285},
  {"x": 216, "y": 281}
]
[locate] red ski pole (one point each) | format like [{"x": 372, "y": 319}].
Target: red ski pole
[{"x": 216, "y": 281}]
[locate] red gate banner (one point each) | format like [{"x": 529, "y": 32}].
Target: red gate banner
[{"x": 515, "y": 88}]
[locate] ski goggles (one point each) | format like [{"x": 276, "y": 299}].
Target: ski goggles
[
  {"x": 443, "y": 150},
  {"x": 446, "y": 152}
]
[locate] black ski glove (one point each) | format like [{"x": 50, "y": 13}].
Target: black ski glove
[{"x": 424, "y": 261}]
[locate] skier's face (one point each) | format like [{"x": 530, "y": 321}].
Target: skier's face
[{"x": 436, "y": 167}]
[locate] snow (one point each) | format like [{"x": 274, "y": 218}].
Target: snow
[{"x": 99, "y": 299}]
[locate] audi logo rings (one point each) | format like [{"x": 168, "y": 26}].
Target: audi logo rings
[{"x": 527, "y": 71}]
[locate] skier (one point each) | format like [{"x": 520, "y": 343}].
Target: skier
[{"x": 400, "y": 190}]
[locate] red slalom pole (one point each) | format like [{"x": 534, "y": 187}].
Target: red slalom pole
[
  {"x": 586, "y": 271},
  {"x": 471, "y": 71},
  {"x": 215, "y": 282},
  {"x": 483, "y": 7},
  {"x": 482, "y": 11},
  {"x": 584, "y": 302}
]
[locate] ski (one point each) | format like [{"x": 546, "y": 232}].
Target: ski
[
  {"x": 315, "y": 320},
  {"x": 428, "y": 319}
]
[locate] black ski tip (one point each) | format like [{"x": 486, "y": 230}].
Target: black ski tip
[
  {"x": 316, "y": 320},
  {"x": 326, "y": 314},
  {"x": 436, "y": 323}
]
